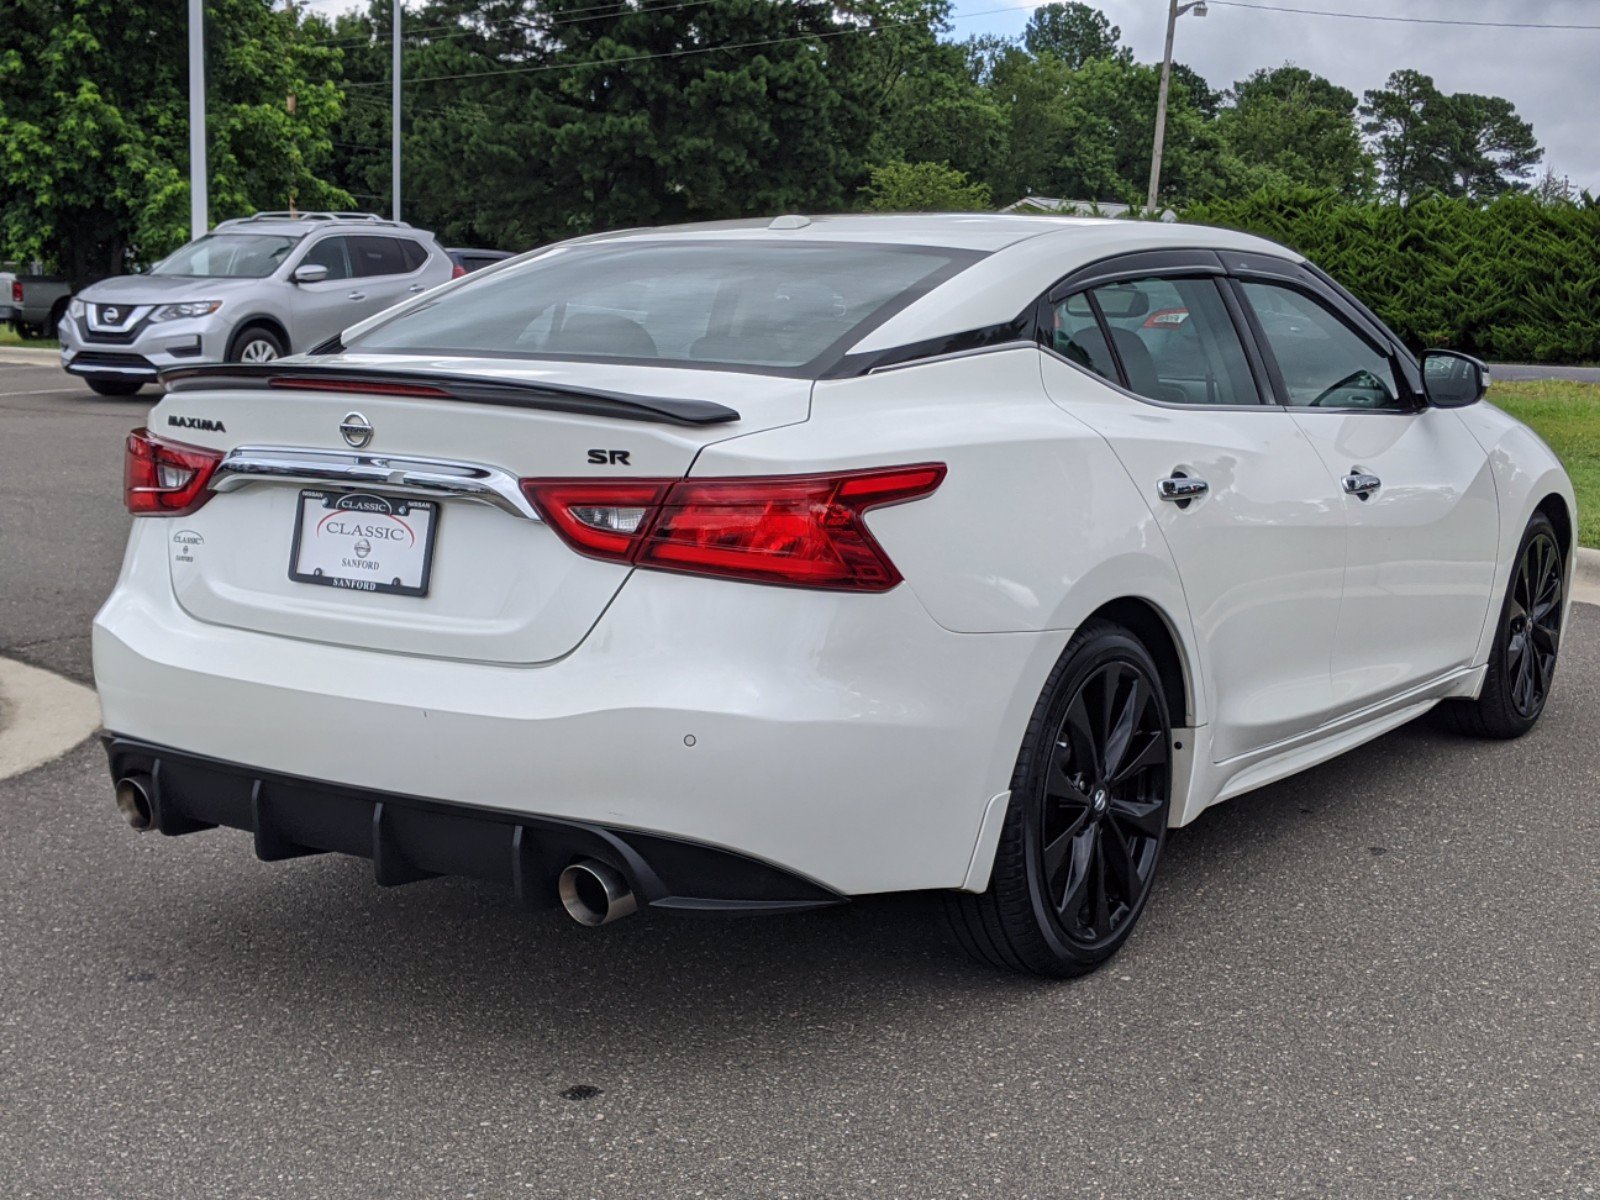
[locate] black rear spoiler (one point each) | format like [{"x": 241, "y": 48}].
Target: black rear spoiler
[{"x": 555, "y": 397}]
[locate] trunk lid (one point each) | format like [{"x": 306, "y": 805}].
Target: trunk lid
[{"x": 501, "y": 586}]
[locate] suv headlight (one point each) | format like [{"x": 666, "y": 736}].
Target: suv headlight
[
  {"x": 76, "y": 308},
  {"x": 192, "y": 308}
]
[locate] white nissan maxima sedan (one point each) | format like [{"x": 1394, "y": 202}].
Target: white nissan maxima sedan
[{"x": 751, "y": 567}]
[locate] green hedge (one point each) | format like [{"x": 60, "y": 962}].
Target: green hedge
[{"x": 1511, "y": 281}]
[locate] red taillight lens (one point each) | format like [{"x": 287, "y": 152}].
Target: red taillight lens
[
  {"x": 799, "y": 530},
  {"x": 457, "y": 271},
  {"x": 165, "y": 479},
  {"x": 16, "y": 292}
]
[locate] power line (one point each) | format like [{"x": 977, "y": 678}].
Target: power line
[
  {"x": 611, "y": 62},
  {"x": 1352, "y": 16}
]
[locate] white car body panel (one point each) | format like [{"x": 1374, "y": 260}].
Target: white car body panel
[{"x": 866, "y": 742}]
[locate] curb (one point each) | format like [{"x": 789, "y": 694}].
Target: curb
[
  {"x": 42, "y": 716},
  {"x": 1586, "y": 576},
  {"x": 23, "y": 356}
]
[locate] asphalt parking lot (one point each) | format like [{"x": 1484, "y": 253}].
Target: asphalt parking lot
[{"x": 1380, "y": 979}]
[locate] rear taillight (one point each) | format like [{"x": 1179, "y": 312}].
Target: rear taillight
[
  {"x": 165, "y": 479},
  {"x": 457, "y": 271},
  {"x": 16, "y": 291},
  {"x": 799, "y": 530}
]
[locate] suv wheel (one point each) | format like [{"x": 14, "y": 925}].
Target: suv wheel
[
  {"x": 1088, "y": 817},
  {"x": 255, "y": 344}
]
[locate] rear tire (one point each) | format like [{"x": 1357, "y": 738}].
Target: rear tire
[
  {"x": 1527, "y": 641},
  {"x": 256, "y": 344},
  {"x": 114, "y": 387},
  {"x": 1090, "y": 799},
  {"x": 27, "y": 332}
]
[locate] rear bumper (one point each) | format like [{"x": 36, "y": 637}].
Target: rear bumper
[
  {"x": 409, "y": 838},
  {"x": 848, "y": 740}
]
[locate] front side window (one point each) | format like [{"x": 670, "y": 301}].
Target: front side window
[
  {"x": 1170, "y": 340},
  {"x": 228, "y": 256},
  {"x": 762, "y": 305},
  {"x": 331, "y": 253},
  {"x": 1324, "y": 363}
]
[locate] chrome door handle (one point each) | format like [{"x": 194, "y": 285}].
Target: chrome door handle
[
  {"x": 416, "y": 287},
  {"x": 1359, "y": 483},
  {"x": 1182, "y": 488},
  {"x": 358, "y": 295}
]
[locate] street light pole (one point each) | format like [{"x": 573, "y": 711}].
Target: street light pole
[
  {"x": 199, "y": 220},
  {"x": 1174, "y": 11},
  {"x": 394, "y": 103}
]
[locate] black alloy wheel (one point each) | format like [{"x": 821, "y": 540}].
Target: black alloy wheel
[
  {"x": 1105, "y": 803},
  {"x": 1090, "y": 800},
  {"x": 1527, "y": 641},
  {"x": 1533, "y": 624}
]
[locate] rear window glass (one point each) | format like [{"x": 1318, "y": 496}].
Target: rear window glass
[{"x": 763, "y": 306}]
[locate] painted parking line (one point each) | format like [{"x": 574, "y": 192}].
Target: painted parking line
[
  {"x": 42, "y": 716},
  {"x": 41, "y": 392}
]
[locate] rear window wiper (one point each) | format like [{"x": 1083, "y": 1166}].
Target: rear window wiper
[{"x": 516, "y": 393}]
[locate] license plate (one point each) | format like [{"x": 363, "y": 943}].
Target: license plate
[{"x": 363, "y": 542}]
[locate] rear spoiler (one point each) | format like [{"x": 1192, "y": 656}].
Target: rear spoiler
[{"x": 374, "y": 381}]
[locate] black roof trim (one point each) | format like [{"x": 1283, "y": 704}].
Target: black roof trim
[{"x": 556, "y": 397}]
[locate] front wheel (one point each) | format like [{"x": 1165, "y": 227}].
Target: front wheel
[
  {"x": 1090, "y": 799},
  {"x": 1522, "y": 663},
  {"x": 256, "y": 344}
]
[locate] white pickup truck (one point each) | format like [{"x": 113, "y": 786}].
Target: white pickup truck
[{"x": 33, "y": 304}]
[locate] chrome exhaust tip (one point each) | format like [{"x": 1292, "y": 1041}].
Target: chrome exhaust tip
[
  {"x": 595, "y": 894},
  {"x": 133, "y": 801}
]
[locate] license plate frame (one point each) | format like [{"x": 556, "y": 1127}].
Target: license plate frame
[{"x": 374, "y": 517}]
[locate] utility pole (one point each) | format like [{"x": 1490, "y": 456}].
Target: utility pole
[
  {"x": 199, "y": 219},
  {"x": 1174, "y": 11},
  {"x": 394, "y": 102}
]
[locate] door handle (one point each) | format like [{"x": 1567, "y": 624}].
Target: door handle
[
  {"x": 416, "y": 287},
  {"x": 1181, "y": 489},
  {"x": 1359, "y": 483},
  {"x": 358, "y": 295}
]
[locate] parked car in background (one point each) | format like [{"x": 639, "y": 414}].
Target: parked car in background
[
  {"x": 252, "y": 290},
  {"x": 752, "y": 567},
  {"x": 33, "y": 305},
  {"x": 468, "y": 261}
]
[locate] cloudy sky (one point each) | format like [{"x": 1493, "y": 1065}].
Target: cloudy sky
[{"x": 1548, "y": 73}]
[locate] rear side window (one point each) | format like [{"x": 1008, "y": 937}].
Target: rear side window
[
  {"x": 1170, "y": 340},
  {"x": 377, "y": 256},
  {"x": 1324, "y": 363},
  {"x": 786, "y": 307}
]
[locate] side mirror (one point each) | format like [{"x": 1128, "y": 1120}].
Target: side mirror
[
  {"x": 310, "y": 273},
  {"x": 1452, "y": 379}
]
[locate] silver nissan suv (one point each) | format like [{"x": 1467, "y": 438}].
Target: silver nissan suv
[{"x": 252, "y": 290}]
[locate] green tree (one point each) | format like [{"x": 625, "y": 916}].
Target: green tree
[
  {"x": 1086, "y": 134},
  {"x": 1075, "y": 33},
  {"x": 1493, "y": 151},
  {"x": 94, "y": 125},
  {"x": 923, "y": 187},
  {"x": 564, "y": 118},
  {"x": 1460, "y": 145},
  {"x": 1291, "y": 128}
]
